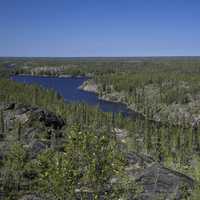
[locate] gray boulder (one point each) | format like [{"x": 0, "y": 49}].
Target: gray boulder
[
  {"x": 157, "y": 181},
  {"x": 161, "y": 182}
]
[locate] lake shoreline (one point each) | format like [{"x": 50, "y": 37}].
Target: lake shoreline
[
  {"x": 82, "y": 87},
  {"x": 91, "y": 86},
  {"x": 53, "y": 76},
  {"x": 69, "y": 89}
]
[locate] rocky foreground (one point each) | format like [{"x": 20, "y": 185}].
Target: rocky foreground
[{"x": 155, "y": 180}]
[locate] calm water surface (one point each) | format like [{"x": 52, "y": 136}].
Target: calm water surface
[{"x": 68, "y": 89}]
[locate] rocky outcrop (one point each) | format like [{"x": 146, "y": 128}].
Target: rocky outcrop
[
  {"x": 48, "y": 118},
  {"x": 156, "y": 180},
  {"x": 89, "y": 86},
  {"x": 31, "y": 126},
  {"x": 25, "y": 113}
]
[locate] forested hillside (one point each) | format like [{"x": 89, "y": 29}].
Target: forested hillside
[{"x": 51, "y": 149}]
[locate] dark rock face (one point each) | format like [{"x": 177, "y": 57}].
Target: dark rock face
[{"x": 49, "y": 119}]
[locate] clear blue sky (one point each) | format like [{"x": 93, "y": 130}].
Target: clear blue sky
[{"x": 99, "y": 27}]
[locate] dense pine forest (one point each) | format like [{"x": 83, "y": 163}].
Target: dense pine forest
[{"x": 52, "y": 149}]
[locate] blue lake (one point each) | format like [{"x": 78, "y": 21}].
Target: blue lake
[{"x": 68, "y": 89}]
